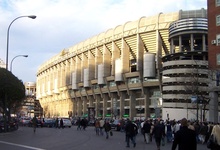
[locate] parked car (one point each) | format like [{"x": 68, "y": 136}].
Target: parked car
[
  {"x": 24, "y": 121},
  {"x": 116, "y": 125},
  {"x": 39, "y": 123},
  {"x": 66, "y": 122},
  {"x": 10, "y": 126},
  {"x": 49, "y": 123}
]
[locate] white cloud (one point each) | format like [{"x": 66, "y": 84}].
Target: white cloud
[{"x": 64, "y": 23}]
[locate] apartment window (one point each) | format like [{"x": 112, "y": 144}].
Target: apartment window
[
  {"x": 218, "y": 40},
  {"x": 217, "y": 3},
  {"x": 218, "y": 20}
]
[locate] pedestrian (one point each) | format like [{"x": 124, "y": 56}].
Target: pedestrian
[
  {"x": 142, "y": 130},
  {"x": 214, "y": 139},
  {"x": 185, "y": 138},
  {"x": 146, "y": 131},
  {"x": 159, "y": 133},
  {"x": 83, "y": 123},
  {"x": 61, "y": 123},
  {"x": 101, "y": 126},
  {"x": 34, "y": 122},
  {"x": 203, "y": 132},
  {"x": 130, "y": 133},
  {"x": 169, "y": 132},
  {"x": 107, "y": 128},
  {"x": 122, "y": 125},
  {"x": 57, "y": 123},
  {"x": 97, "y": 126},
  {"x": 78, "y": 122}
]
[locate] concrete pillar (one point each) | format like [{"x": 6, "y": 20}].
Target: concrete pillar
[
  {"x": 78, "y": 69},
  {"x": 132, "y": 112},
  {"x": 125, "y": 54},
  {"x": 98, "y": 106},
  {"x": 84, "y": 64},
  {"x": 105, "y": 99},
  {"x": 84, "y": 105},
  {"x": 122, "y": 104},
  {"x": 213, "y": 107},
  {"x": 180, "y": 43},
  {"x": 67, "y": 73},
  {"x": 191, "y": 43},
  {"x": 147, "y": 102},
  {"x": 172, "y": 46},
  {"x": 106, "y": 61},
  {"x": 91, "y": 101},
  {"x": 75, "y": 108},
  {"x": 203, "y": 43},
  {"x": 114, "y": 105},
  {"x": 98, "y": 60},
  {"x": 140, "y": 54},
  {"x": 58, "y": 76},
  {"x": 91, "y": 65},
  {"x": 115, "y": 55},
  {"x": 79, "y": 107}
]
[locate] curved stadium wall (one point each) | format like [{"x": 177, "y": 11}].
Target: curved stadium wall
[{"x": 123, "y": 72}]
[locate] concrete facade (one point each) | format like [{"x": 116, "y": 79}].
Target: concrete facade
[{"x": 123, "y": 71}]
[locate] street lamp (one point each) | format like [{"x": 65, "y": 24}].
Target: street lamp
[
  {"x": 16, "y": 57},
  {"x": 32, "y": 17}
]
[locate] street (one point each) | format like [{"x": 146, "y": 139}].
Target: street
[{"x": 71, "y": 139}]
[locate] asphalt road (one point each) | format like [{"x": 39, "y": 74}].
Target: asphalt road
[{"x": 71, "y": 139}]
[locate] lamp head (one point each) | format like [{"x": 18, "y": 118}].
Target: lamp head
[
  {"x": 32, "y": 16},
  {"x": 25, "y": 55}
]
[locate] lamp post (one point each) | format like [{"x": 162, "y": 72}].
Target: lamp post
[
  {"x": 16, "y": 57},
  {"x": 32, "y": 17}
]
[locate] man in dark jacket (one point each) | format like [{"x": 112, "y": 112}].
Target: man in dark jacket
[
  {"x": 159, "y": 133},
  {"x": 185, "y": 138},
  {"x": 131, "y": 132},
  {"x": 146, "y": 130}
]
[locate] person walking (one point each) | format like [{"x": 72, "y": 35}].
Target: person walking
[
  {"x": 203, "y": 132},
  {"x": 57, "y": 123},
  {"x": 214, "y": 139},
  {"x": 159, "y": 133},
  {"x": 61, "y": 123},
  {"x": 107, "y": 128},
  {"x": 78, "y": 122},
  {"x": 130, "y": 133},
  {"x": 102, "y": 122},
  {"x": 185, "y": 138},
  {"x": 34, "y": 122},
  {"x": 169, "y": 132},
  {"x": 146, "y": 131},
  {"x": 97, "y": 126}
]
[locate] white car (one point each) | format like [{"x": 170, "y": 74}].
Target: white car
[{"x": 66, "y": 122}]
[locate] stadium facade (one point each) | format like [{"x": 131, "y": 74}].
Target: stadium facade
[{"x": 144, "y": 68}]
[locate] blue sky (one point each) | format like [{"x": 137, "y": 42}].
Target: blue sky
[{"x": 61, "y": 24}]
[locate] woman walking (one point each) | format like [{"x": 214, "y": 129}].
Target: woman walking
[{"x": 214, "y": 140}]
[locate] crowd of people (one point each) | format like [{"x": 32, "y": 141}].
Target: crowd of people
[{"x": 183, "y": 134}]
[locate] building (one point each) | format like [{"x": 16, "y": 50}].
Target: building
[
  {"x": 31, "y": 106},
  {"x": 214, "y": 56},
  {"x": 2, "y": 64},
  {"x": 130, "y": 70},
  {"x": 185, "y": 66}
]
